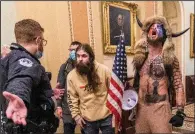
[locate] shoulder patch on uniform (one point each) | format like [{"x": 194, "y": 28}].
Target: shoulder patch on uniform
[{"x": 26, "y": 62}]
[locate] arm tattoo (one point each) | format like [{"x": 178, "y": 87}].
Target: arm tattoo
[{"x": 177, "y": 83}]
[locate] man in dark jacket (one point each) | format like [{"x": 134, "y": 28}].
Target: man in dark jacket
[
  {"x": 28, "y": 88},
  {"x": 63, "y": 110}
]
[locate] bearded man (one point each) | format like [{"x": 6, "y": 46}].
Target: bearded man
[
  {"x": 87, "y": 87},
  {"x": 157, "y": 78}
]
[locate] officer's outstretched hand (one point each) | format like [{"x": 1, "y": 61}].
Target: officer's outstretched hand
[
  {"x": 16, "y": 109},
  {"x": 58, "y": 91}
]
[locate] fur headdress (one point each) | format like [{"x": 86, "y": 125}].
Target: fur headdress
[{"x": 141, "y": 45}]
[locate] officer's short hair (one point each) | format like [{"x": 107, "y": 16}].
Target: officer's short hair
[{"x": 26, "y": 30}]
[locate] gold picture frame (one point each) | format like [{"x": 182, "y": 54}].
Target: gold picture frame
[
  {"x": 111, "y": 13},
  {"x": 192, "y": 38}
]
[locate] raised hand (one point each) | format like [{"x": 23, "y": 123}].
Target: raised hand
[{"x": 16, "y": 109}]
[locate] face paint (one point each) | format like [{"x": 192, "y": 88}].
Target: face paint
[
  {"x": 156, "y": 35},
  {"x": 156, "y": 31}
]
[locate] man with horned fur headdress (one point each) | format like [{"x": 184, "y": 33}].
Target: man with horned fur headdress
[{"x": 157, "y": 77}]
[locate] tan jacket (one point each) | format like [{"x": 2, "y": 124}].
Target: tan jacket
[{"x": 91, "y": 106}]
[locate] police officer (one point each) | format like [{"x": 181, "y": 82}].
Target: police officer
[{"x": 28, "y": 88}]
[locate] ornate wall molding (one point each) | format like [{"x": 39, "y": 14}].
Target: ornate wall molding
[
  {"x": 70, "y": 20},
  {"x": 90, "y": 25},
  {"x": 158, "y": 8},
  {"x": 155, "y": 8}
]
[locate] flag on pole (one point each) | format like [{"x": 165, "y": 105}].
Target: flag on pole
[{"x": 117, "y": 82}]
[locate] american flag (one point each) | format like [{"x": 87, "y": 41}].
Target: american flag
[{"x": 117, "y": 82}]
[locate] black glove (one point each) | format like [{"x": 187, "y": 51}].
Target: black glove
[{"x": 177, "y": 120}]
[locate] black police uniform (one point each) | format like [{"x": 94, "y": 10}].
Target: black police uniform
[{"x": 28, "y": 80}]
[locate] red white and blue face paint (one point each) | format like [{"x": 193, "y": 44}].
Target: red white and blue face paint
[{"x": 155, "y": 32}]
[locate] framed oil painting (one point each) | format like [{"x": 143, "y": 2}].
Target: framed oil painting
[
  {"x": 192, "y": 38},
  {"x": 118, "y": 18}
]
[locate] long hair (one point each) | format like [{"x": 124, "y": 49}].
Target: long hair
[{"x": 92, "y": 76}]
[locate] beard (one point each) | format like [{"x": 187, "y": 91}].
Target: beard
[
  {"x": 155, "y": 42},
  {"x": 88, "y": 69},
  {"x": 83, "y": 69}
]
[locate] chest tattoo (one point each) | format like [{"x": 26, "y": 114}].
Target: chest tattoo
[
  {"x": 154, "y": 68},
  {"x": 156, "y": 72}
]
